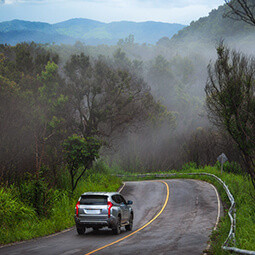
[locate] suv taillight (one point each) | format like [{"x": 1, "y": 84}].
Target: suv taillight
[
  {"x": 77, "y": 208},
  {"x": 109, "y": 208}
]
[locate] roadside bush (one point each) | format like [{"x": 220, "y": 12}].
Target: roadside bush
[
  {"x": 63, "y": 181},
  {"x": 100, "y": 167},
  {"x": 189, "y": 165},
  {"x": 230, "y": 167},
  {"x": 19, "y": 218},
  {"x": 12, "y": 210},
  {"x": 37, "y": 194}
]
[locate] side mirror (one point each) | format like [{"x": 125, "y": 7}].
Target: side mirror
[{"x": 129, "y": 202}]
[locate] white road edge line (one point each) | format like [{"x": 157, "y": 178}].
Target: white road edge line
[
  {"x": 218, "y": 199},
  {"x": 218, "y": 215},
  {"x": 122, "y": 187}
]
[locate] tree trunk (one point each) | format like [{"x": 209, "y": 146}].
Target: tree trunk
[{"x": 250, "y": 167}]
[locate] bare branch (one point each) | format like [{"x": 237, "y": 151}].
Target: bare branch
[{"x": 241, "y": 10}]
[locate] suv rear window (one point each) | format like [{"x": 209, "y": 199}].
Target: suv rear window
[{"x": 93, "y": 200}]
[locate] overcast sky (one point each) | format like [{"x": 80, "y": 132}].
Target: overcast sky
[{"x": 172, "y": 11}]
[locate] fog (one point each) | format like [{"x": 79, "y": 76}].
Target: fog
[{"x": 177, "y": 75}]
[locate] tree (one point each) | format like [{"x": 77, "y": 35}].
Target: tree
[
  {"x": 79, "y": 154},
  {"x": 161, "y": 77},
  {"x": 230, "y": 100},
  {"x": 47, "y": 111},
  {"x": 241, "y": 10},
  {"x": 30, "y": 108},
  {"x": 164, "y": 41},
  {"x": 128, "y": 41},
  {"x": 13, "y": 149},
  {"x": 105, "y": 99}
]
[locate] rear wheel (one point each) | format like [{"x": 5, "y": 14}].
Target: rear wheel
[
  {"x": 130, "y": 225},
  {"x": 80, "y": 229},
  {"x": 117, "y": 229}
]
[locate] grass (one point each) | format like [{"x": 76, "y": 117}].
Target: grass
[
  {"x": 241, "y": 188},
  {"x": 19, "y": 221},
  {"x": 19, "y": 225}
]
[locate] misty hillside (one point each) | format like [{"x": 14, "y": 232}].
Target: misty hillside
[
  {"x": 89, "y": 31},
  {"x": 214, "y": 27}
]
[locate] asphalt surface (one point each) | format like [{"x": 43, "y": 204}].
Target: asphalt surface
[{"x": 182, "y": 228}]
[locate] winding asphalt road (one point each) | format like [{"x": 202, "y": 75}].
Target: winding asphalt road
[{"x": 186, "y": 216}]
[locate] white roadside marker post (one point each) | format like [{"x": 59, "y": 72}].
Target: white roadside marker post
[{"x": 222, "y": 159}]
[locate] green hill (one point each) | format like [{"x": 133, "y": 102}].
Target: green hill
[{"x": 214, "y": 27}]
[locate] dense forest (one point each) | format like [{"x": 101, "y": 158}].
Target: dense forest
[
  {"x": 143, "y": 103},
  {"x": 42, "y": 104},
  {"x": 146, "y": 115}
]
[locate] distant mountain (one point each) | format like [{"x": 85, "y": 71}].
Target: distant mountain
[
  {"x": 89, "y": 31},
  {"x": 110, "y": 33},
  {"x": 77, "y": 27},
  {"x": 13, "y": 37},
  {"x": 21, "y": 25}
]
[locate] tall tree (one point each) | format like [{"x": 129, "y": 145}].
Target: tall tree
[
  {"x": 105, "y": 99},
  {"x": 46, "y": 116},
  {"x": 230, "y": 100}
]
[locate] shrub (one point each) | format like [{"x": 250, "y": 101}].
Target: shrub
[
  {"x": 100, "y": 167},
  {"x": 35, "y": 192},
  {"x": 12, "y": 210},
  {"x": 230, "y": 167},
  {"x": 189, "y": 166}
]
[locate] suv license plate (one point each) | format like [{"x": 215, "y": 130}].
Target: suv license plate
[{"x": 92, "y": 211}]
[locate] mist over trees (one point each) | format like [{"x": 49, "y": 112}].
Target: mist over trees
[
  {"x": 72, "y": 116},
  {"x": 144, "y": 103},
  {"x": 42, "y": 105}
]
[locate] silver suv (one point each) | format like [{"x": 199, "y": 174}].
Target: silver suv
[{"x": 96, "y": 210}]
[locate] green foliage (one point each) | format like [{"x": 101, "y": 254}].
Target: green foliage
[
  {"x": 24, "y": 60},
  {"x": 80, "y": 153},
  {"x": 12, "y": 210},
  {"x": 189, "y": 166},
  {"x": 20, "y": 222},
  {"x": 212, "y": 28},
  {"x": 230, "y": 100},
  {"x": 107, "y": 98},
  {"x": 231, "y": 167},
  {"x": 100, "y": 167},
  {"x": 162, "y": 116},
  {"x": 37, "y": 194},
  {"x": 32, "y": 109}
]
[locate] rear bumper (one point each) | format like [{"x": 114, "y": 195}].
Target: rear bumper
[{"x": 92, "y": 222}]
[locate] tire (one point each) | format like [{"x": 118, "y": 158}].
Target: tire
[
  {"x": 81, "y": 229},
  {"x": 130, "y": 225},
  {"x": 117, "y": 229}
]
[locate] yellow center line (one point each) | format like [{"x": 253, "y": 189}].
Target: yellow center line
[{"x": 144, "y": 226}]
